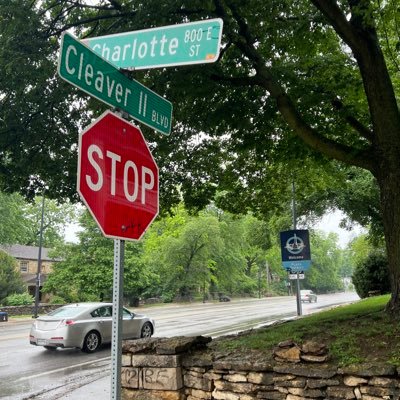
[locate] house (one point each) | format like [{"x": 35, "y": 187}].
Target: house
[{"x": 27, "y": 259}]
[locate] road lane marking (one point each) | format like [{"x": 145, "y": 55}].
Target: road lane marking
[{"x": 25, "y": 378}]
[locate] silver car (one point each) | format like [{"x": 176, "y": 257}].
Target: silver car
[
  {"x": 308, "y": 295},
  {"x": 85, "y": 326}
]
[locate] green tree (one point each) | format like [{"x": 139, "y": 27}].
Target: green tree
[
  {"x": 10, "y": 278},
  {"x": 86, "y": 272},
  {"x": 324, "y": 273},
  {"x": 185, "y": 260},
  {"x": 55, "y": 218},
  {"x": 13, "y": 219}
]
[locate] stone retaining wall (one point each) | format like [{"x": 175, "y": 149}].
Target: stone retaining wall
[
  {"x": 28, "y": 310},
  {"x": 185, "y": 369}
]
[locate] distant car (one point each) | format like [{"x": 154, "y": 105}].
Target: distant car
[
  {"x": 308, "y": 295},
  {"x": 86, "y": 326}
]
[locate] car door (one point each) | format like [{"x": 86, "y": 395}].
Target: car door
[
  {"x": 131, "y": 325},
  {"x": 104, "y": 322}
]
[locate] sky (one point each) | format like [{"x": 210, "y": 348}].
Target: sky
[{"x": 330, "y": 223}]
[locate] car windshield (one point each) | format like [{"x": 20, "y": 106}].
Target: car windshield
[
  {"x": 305, "y": 292},
  {"x": 68, "y": 312}
]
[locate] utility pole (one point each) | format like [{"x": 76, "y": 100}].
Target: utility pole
[
  {"x": 298, "y": 299},
  {"x": 39, "y": 265}
]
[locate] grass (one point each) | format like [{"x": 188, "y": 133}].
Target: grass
[{"x": 360, "y": 332}]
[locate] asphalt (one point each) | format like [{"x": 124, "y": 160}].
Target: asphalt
[{"x": 98, "y": 388}]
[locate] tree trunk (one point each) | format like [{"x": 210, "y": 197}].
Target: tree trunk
[{"x": 389, "y": 182}]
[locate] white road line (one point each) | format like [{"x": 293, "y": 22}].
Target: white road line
[{"x": 62, "y": 369}]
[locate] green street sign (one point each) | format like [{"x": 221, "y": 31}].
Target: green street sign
[
  {"x": 190, "y": 43},
  {"x": 83, "y": 68}
]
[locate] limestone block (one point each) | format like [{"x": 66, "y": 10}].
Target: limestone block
[
  {"x": 306, "y": 392},
  {"x": 260, "y": 378},
  {"x": 322, "y": 371},
  {"x": 313, "y": 358},
  {"x": 294, "y": 397},
  {"x": 384, "y": 382},
  {"x": 181, "y": 344},
  {"x": 212, "y": 375},
  {"x": 200, "y": 394},
  {"x": 366, "y": 397},
  {"x": 313, "y": 347},
  {"x": 297, "y": 383},
  {"x": 271, "y": 395},
  {"x": 247, "y": 364},
  {"x": 161, "y": 378},
  {"x": 194, "y": 382},
  {"x": 203, "y": 359},
  {"x": 351, "y": 380},
  {"x": 368, "y": 369},
  {"x": 340, "y": 392},
  {"x": 130, "y": 377},
  {"x": 291, "y": 354},
  {"x": 158, "y": 361},
  {"x": 222, "y": 395},
  {"x": 320, "y": 383},
  {"x": 378, "y": 391},
  {"x": 235, "y": 378},
  {"x": 151, "y": 395},
  {"x": 126, "y": 360},
  {"x": 358, "y": 394},
  {"x": 139, "y": 345},
  {"x": 244, "y": 388},
  {"x": 283, "y": 378}
]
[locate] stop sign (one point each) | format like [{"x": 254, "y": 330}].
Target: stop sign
[{"x": 117, "y": 177}]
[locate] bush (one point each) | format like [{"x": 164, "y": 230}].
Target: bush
[
  {"x": 372, "y": 275},
  {"x": 18, "y": 299},
  {"x": 57, "y": 300}
]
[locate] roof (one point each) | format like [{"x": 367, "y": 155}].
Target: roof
[{"x": 27, "y": 252}]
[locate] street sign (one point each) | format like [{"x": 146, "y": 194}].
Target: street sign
[
  {"x": 84, "y": 69},
  {"x": 295, "y": 249},
  {"x": 295, "y": 276},
  {"x": 190, "y": 43},
  {"x": 117, "y": 177}
]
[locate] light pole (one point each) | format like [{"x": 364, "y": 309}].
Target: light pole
[{"x": 39, "y": 265}]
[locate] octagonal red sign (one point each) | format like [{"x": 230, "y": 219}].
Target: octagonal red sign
[{"x": 117, "y": 177}]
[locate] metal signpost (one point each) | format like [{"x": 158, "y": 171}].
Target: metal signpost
[
  {"x": 118, "y": 182},
  {"x": 190, "y": 43},
  {"x": 83, "y": 68}
]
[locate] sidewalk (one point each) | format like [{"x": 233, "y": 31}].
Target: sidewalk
[{"x": 99, "y": 389}]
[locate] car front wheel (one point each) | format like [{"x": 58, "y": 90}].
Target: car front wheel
[
  {"x": 91, "y": 342},
  {"x": 146, "y": 331}
]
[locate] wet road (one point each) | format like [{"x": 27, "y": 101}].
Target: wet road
[{"x": 29, "y": 372}]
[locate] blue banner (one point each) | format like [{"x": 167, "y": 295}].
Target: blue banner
[{"x": 295, "y": 248}]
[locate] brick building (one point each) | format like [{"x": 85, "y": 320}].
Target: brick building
[{"x": 27, "y": 259}]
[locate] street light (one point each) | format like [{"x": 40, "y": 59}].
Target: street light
[{"x": 39, "y": 265}]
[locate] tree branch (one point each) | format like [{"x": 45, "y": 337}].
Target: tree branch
[
  {"x": 352, "y": 121},
  {"x": 328, "y": 147}
]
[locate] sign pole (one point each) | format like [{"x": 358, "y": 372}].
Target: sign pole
[
  {"x": 116, "y": 343},
  {"x": 298, "y": 299}
]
